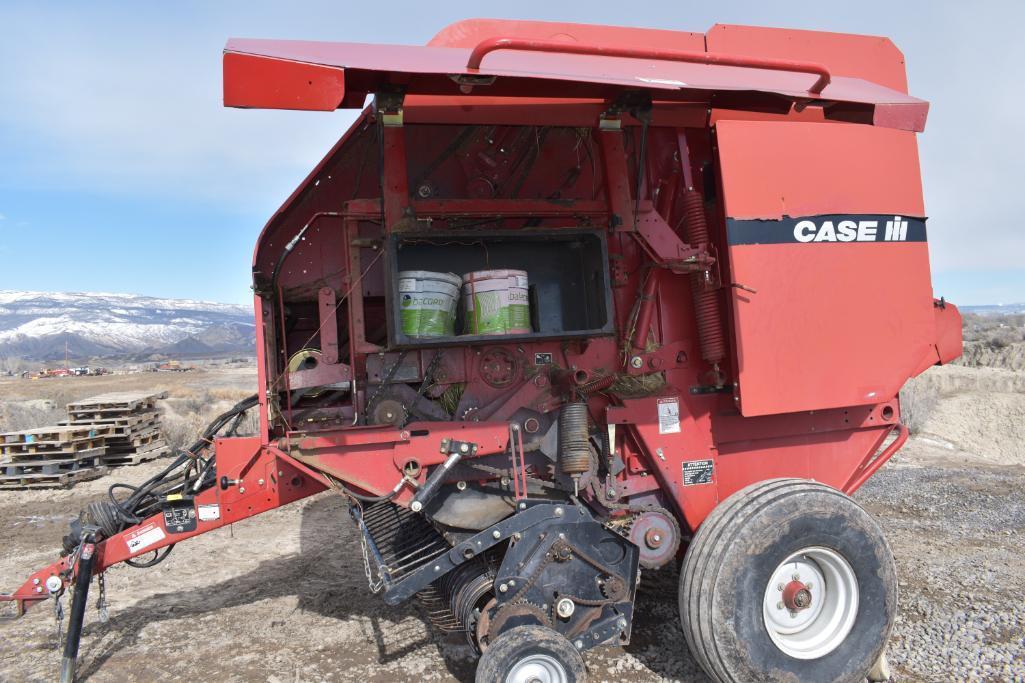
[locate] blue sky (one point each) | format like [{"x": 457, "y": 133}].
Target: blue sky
[{"x": 120, "y": 171}]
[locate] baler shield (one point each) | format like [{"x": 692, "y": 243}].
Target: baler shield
[
  {"x": 831, "y": 297},
  {"x": 256, "y": 75}
]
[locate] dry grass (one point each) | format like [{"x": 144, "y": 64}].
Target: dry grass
[{"x": 194, "y": 399}]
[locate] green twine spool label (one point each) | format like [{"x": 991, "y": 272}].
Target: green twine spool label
[{"x": 427, "y": 315}]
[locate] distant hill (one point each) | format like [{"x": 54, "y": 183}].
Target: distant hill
[
  {"x": 995, "y": 309},
  {"x": 37, "y": 325}
]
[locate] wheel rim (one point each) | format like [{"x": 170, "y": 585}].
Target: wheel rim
[
  {"x": 537, "y": 669},
  {"x": 810, "y": 603}
]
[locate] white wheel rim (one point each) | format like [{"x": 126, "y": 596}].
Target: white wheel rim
[
  {"x": 537, "y": 669},
  {"x": 817, "y": 629}
]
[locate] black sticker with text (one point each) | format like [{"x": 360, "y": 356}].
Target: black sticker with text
[{"x": 697, "y": 472}]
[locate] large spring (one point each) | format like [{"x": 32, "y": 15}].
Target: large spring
[
  {"x": 706, "y": 301},
  {"x": 574, "y": 446}
]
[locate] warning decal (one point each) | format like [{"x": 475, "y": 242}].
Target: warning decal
[
  {"x": 668, "y": 415},
  {"x": 146, "y": 536},
  {"x": 208, "y": 513},
  {"x": 697, "y": 472}
]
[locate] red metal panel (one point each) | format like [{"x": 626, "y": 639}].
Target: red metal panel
[
  {"x": 251, "y": 81},
  {"x": 872, "y": 58},
  {"x": 770, "y": 170},
  {"x": 828, "y": 324},
  {"x": 430, "y": 71},
  {"x": 470, "y": 32}
]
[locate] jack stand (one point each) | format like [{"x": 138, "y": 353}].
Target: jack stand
[{"x": 86, "y": 559}]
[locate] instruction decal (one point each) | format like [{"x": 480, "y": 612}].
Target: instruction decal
[
  {"x": 209, "y": 513},
  {"x": 144, "y": 537},
  {"x": 669, "y": 415},
  {"x": 697, "y": 472}
]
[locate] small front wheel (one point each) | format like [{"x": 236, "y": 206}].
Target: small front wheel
[{"x": 531, "y": 654}]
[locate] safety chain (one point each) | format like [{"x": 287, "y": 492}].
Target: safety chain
[
  {"x": 101, "y": 601},
  {"x": 58, "y": 615}
]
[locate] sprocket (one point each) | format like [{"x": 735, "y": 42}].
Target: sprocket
[
  {"x": 516, "y": 614},
  {"x": 657, "y": 534}
]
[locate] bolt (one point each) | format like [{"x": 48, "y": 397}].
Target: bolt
[
  {"x": 565, "y": 608},
  {"x": 621, "y": 623},
  {"x": 595, "y": 635},
  {"x": 39, "y": 589},
  {"x": 503, "y": 588},
  {"x": 579, "y": 644},
  {"x": 611, "y": 493},
  {"x": 636, "y": 362},
  {"x": 512, "y": 583},
  {"x": 496, "y": 534},
  {"x": 562, "y": 536},
  {"x": 280, "y": 473},
  {"x": 437, "y": 567},
  {"x": 517, "y": 536},
  {"x": 780, "y": 587},
  {"x": 35, "y": 581},
  {"x": 558, "y": 512},
  {"x": 464, "y": 448},
  {"x": 54, "y": 584},
  {"x": 242, "y": 490},
  {"x": 796, "y": 577},
  {"x": 416, "y": 506},
  {"x": 779, "y": 605},
  {"x": 523, "y": 506},
  {"x": 808, "y": 585},
  {"x": 461, "y": 485},
  {"x": 260, "y": 482}
]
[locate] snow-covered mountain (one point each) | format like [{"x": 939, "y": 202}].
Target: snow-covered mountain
[{"x": 36, "y": 325}]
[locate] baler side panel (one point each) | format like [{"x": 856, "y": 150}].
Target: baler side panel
[{"x": 823, "y": 319}]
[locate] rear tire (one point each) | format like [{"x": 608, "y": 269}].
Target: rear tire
[
  {"x": 788, "y": 578},
  {"x": 527, "y": 654}
]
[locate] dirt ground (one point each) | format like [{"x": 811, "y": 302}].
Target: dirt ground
[{"x": 283, "y": 597}]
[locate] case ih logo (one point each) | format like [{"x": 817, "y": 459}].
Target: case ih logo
[
  {"x": 850, "y": 231},
  {"x": 829, "y": 229}
]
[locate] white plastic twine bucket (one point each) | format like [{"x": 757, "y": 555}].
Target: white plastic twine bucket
[
  {"x": 496, "y": 302},
  {"x": 427, "y": 303}
]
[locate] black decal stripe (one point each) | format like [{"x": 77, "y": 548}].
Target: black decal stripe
[{"x": 782, "y": 231}]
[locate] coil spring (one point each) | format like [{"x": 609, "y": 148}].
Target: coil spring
[
  {"x": 597, "y": 385},
  {"x": 706, "y": 301},
  {"x": 574, "y": 448}
]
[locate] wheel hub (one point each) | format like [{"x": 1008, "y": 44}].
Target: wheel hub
[
  {"x": 537, "y": 668},
  {"x": 810, "y": 603},
  {"x": 796, "y": 596}
]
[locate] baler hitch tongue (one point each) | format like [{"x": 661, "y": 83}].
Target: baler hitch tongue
[{"x": 10, "y": 607}]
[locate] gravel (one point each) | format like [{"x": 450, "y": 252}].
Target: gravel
[{"x": 282, "y": 597}]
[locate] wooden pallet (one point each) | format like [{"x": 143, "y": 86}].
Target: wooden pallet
[
  {"x": 46, "y": 467},
  {"x": 118, "y": 421},
  {"x": 133, "y": 458},
  {"x": 106, "y": 406},
  {"x": 53, "y": 435},
  {"x": 49, "y": 456},
  {"x": 49, "y": 481},
  {"x": 129, "y": 449},
  {"x": 50, "y": 448}
]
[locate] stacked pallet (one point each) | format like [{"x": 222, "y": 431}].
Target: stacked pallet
[
  {"x": 133, "y": 423},
  {"x": 52, "y": 456}
]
